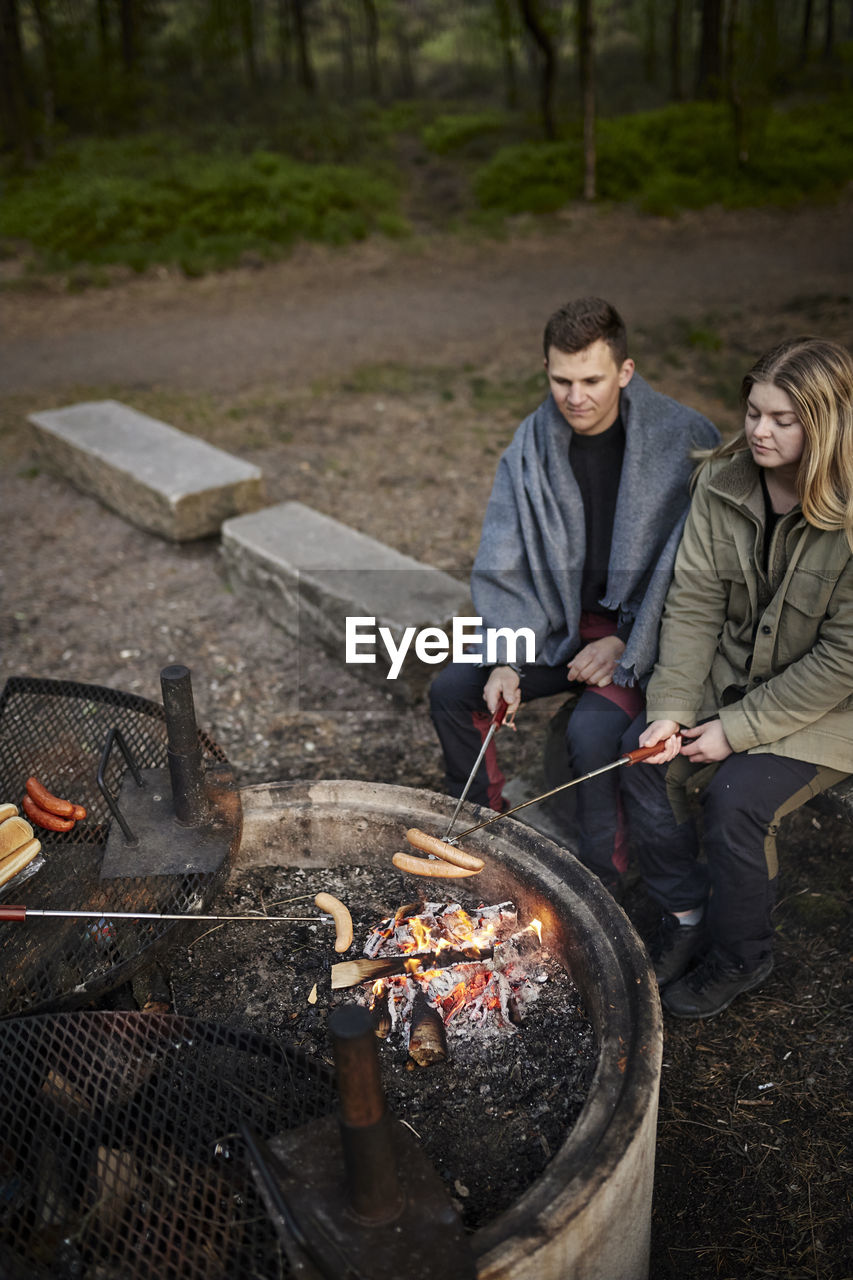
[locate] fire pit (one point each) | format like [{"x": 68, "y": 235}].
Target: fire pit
[{"x": 588, "y": 1214}]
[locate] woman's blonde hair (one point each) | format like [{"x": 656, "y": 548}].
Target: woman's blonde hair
[{"x": 817, "y": 376}]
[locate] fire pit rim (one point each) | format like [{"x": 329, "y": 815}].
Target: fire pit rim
[{"x": 618, "y": 986}]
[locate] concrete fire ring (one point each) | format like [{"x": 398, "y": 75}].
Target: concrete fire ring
[{"x": 588, "y": 1216}]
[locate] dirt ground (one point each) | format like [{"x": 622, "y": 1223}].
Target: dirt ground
[{"x": 379, "y": 384}]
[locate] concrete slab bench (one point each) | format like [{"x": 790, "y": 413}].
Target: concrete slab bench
[
  {"x": 311, "y": 573},
  {"x": 153, "y": 475}
]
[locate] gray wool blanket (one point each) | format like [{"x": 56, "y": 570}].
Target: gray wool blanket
[{"x": 529, "y": 566}]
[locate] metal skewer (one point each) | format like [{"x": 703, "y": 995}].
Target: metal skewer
[
  {"x": 19, "y": 914},
  {"x": 631, "y": 757},
  {"x": 497, "y": 721}
]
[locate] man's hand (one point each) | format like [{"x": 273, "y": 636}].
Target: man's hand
[
  {"x": 595, "y": 663},
  {"x": 668, "y": 734},
  {"x": 503, "y": 683},
  {"x": 708, "y": 743}
]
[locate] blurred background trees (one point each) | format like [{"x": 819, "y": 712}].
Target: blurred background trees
[{"x": 518, "y": 105}]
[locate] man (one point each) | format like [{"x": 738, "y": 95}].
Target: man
[{"x": 578, "y": 544}]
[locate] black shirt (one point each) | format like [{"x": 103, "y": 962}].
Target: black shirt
[{"x": 597, "y": 465}]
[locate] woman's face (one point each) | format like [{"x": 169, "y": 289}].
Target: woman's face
[{"x": 774, "y": 433}]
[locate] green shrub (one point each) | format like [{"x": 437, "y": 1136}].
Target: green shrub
[
  {"x": 681, "y": 157},
  {"x": 453, "y": 132},
  {"x": 144, "y": 204},
  {"x": 530, "y": 178}
]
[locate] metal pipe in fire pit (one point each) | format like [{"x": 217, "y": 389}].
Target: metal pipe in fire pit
[
  {"x": 375, "y": 1195},
  {"x": 184, "y": 749}
]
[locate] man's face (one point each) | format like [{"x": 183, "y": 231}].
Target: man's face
[{"x": 586, "y": 385}]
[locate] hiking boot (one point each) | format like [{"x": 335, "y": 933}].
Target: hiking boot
[
  {"x": 712, "y": 986},
  {"x": 674, "y": 946}
]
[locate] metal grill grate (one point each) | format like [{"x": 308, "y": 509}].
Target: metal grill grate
[
  {"x": 56, "y": 729},
  {"x": 118, "y": 1156}
]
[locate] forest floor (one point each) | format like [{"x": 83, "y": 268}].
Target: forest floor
[{"x": 379, "y": 384}]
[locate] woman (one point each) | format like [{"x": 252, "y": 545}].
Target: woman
[{"x": 752, "y": 695}]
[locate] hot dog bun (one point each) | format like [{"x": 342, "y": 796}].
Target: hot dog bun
[
  {"x": 14, "y": 832},
  {"x": 8, "y": 811},
  {"x": 15, "y": 862}
]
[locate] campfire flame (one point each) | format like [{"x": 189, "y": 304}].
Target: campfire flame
[
  {"x": 458, "y": 930},
  {"x": 476, "y": 988}
]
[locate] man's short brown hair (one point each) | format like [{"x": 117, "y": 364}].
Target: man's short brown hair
[{"x": 579, "y": 324}]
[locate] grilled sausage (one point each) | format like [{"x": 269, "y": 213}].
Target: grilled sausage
[
  {"x": 50, "y": 821},
  {"x": 438, "y": 869},
  {"x": 49, "y": 803},
  {"x": 341, "y": 916},
  {"x": 441, "y": 849}
]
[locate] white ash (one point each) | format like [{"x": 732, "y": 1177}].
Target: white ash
[
  {"x": 446, "y": 923},
  {"x": 478, "y": 997}
]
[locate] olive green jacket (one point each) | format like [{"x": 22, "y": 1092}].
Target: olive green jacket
[{"x": 771, "y": 653}]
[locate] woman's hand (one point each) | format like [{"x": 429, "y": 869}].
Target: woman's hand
[
  {"x": 595, "y": 663},
  {"x": 503, "y": 683},
  {"x": 668, "y": 734},
  {"x": 708, "y": 743}
]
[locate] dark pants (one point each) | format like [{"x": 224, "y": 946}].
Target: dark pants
[
  {"x": 741, "y": 802},
  {"x": 595, "y": 728}
]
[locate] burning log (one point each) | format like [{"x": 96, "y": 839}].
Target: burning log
[
  {"x": 349, "y": 973},
  {"x": 382, "y": 1016},
  {"x": 427, "y": 1038}
]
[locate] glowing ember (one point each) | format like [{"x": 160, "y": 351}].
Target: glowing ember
[{"x": 488, "y": 994}]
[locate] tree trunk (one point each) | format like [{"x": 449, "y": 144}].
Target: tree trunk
[
  {"x": 48, "y": 54},
  {"x": 127, "y": 17},
  {"x": 372, "y": 38},
  {"x": 403, "y": 42},
  {"x": 504, "y": 16},
  {"x": 14, "y": 114},
  {"x": 586, "y": 65},
  {"x": 104, "y": 37},
  {"x": 307, "y": 79},
  {"x": 751, "y": 52},
  {"x": 805, "y": 38},
  {"x": 676, "y": 26},
  {"x": 829, "y": 31},
  {"x": 341, "y": 12},
  {"x": 247, "y": 41},
  {"x": 710, "y": 72},
  {"x": 650, "y": 53},
  {"x": 284, "y": 38},
  {"x": 733, "y": 90},
  {"x": 549, "y": 64}
]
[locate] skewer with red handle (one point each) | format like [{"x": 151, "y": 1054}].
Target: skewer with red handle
[
  {"x": 495, "y": 724},
  {"x": 631, "y": 757},
  {"x": 20, "y": 914}
]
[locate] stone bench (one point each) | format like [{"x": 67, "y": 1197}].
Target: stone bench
[
  {"x": 153, "y": 475},
  {"x": 311, "y": 573}
]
